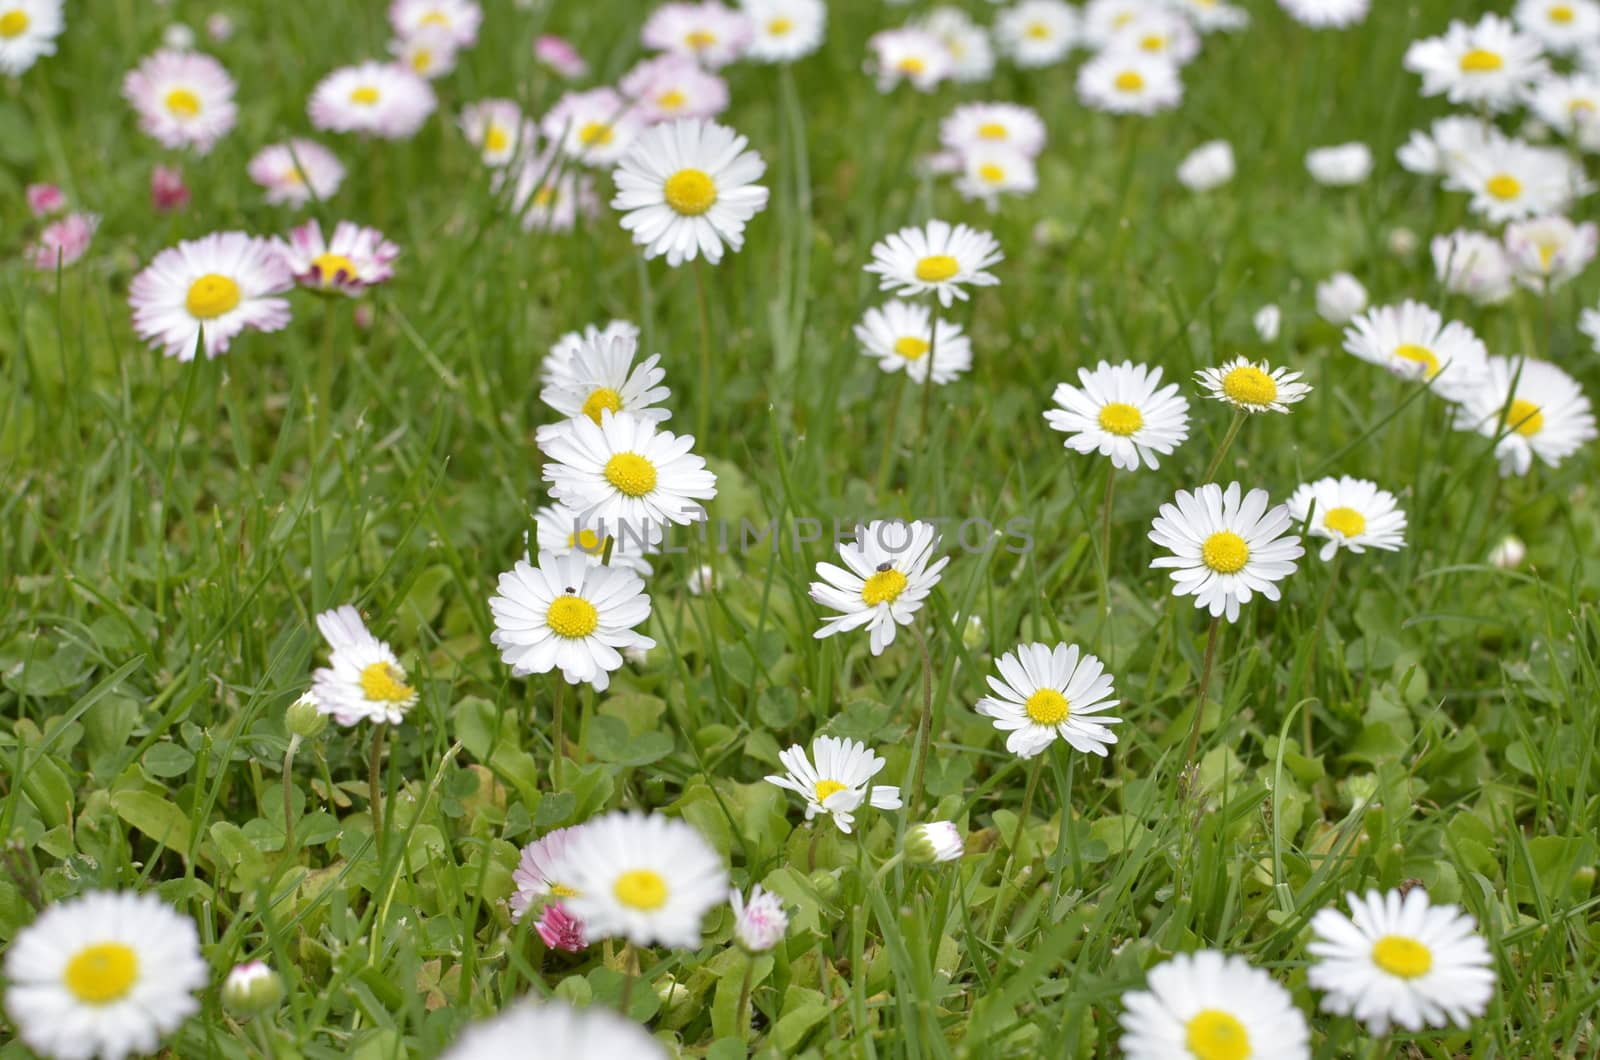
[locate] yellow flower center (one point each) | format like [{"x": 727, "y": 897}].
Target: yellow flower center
[
  {"x": 1038, "y": 31},
  {"x": 587, "y": 540},
  {"x": 366, "y": 95},
  {"x": 330, "y": 265},
  {"x": 641, "y": 889},
  {"x": 436, "y": 18},
  {"x": 571, "y": 616},
  {"x": 828, "y": 787},
  {"x": 1526, "y": 418},
  {"x": 595, "y": 132},
  {"x": 631, "y": 473},
  {"x": 911, "y": 348},
  {"x": 1212, "y": 1034},
  {"x": 700, "y": 38},
  {"x": 14, "y": 23},
  {"x": 1225, "y": 552},
  {"x": 183, "y": 103},
  {"x": 211, "y": 296},
  {"x": 884, "y": 587},
  {"x": 1480, "y": 61},
  {"x": 1347, "y": 521},
  {"x": 937, "y": 268},
  {"x": 422, "y": 60},
  {"x": 1561, "y": 13},
  {"x": 671, "y": 99},
  {"x": 601, "y": 399},
  {"x": 102, "y": 973},
  {"x": 991, "y": 173},
  {"x": 1153, "y": 43},
  {"x": 545, "y": 195},
  {"x": 911, "y": 64},
  {"x": 992, "y": 130},
  {"x": 1503, "y": 186},
  {"x": 690, "y": 192},
  {"x": 383, "y": 682},
  {"x": 1582, "y": 109},
  {"x": 1122, "y": 19},
  {"x": 1398, "y": 955},
  {"x": 1120, "y": 419},
  {"x": 1420, "y": 355},
  {"x": 779, "y": 26},
  {"x": 1048, "y": 707},
  {"x": 496, "y": 139},
  {"x": 561, "y": 890},
  {"x": 1248, "y": 385},
  {"x": 1129, "y": 81}
]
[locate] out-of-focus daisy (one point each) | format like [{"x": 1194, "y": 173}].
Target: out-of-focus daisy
[
  {"x": 990, "y": 171},
  {"x": 937, "y": 257},
  {"x": 672, "y": 86},
  {"x": 537, "y": 875},
  {"x": 296, "y": 172},
  {"x": 934, "y": 843},
  {"x": 1589, "y": 324},
  {"x": 548, "y": 192},
  {"x": 62, "y": 242},
  {"x": 363, "y": 680},
  {"x": 1267, "y": 322},
  {"x": 252, "y": 989},
  {"x": 888, "y": 572},
  {"x": 558, "y": 54},
  {"x": 557, "y": 367},
  {"x": 560, "y": 930},
  {"x": 45, "y": 199},
  {"x": 1400, "y": 959},
  {"x": 1226, "y": 545},
  {"x": 167, "y": 190},
  {"x": 1340, "y": 167},
  {"x": 1486, "y": 64},
  {"x": 1447, "y": 141},
  {"x": 1509, "y": 180},
  {"x": 1548, "y": 251},
  {"x": 899, "y": 336},
  {"x": 1326, "y": 13},
  {"x": 1340, "y": 297},
  {"x": 1121, "y": 411},
  {"x": 355, "y": 258},
  {"x": 1413, "y": 341},
  {"x": 497, "y": 129},
  {"x": 1129, "y": 82},
  {"x": 1210, "y": 1006},
  {"x": 223, "y": 283},
  {"x": 709, "y": 33},
  {"x": 568, "y": 614},
  {"x": 760, "y": 923},
  {"x": 648, "y": 879},
  {"x": 177, "y": 37},
  {"x": 839, "y": 782},
  {"x": 385, "y": 100},
  {"x": 1509, "y": 553},
  {"x": 1351, "y": 513},
  {"x": 1562, "y": 26},
  {"x": 1533, "y": 407},
  {"x": 974, "y": 125},
  {"x": 784, "y": 30},
  {"x": 219, "y": 26},
  {"x": 909, "y": 54},
  {"x": 593, "y": 1033},
  {"x": 28, "y": 30},
  {"x": 563, "y": 531},
  {"x": 1103, "y": 18},
  {"x": 967, "y": 43},
  {"x": 106, "y": 974},
  {"x": 1473, "y": 264},
  {"x": 1253, "y": 386},
  {"x": 457, "y": 19},
  {"x": 604, "y": 378},
  {"x": 184, "y": 99},
  {"x": 1044, "y": 694},
  {"x": 1156, "y": 31},
  {"x": 597, "y": 126},
  {"x": 1211, "y": 16},
  {"x": 1571, "y": 106},
  {"x": 1034, "y": 33},
  {"x": 429, "y": 53},
  {"x": 1208, "y": 166},
  {"x": 623, "y": 470}
]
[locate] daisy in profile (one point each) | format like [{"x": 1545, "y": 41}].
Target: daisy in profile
[
  {"x": 458, "y": 20},
  {"x": 840, "y": 781},
  {"x": 1342, "y": 166},
  {"x": 707, "y": 32},
  {"x": 888, "y": 572},
  {"x": 28, "y": 31},
  {"x": 363, "y": 680},
  {"x": 1546, "y": 252},
  {"x": 108, "y": 974},
  {"x": 1253, "y": 387},
  {"x": 537, "y": 876},
  {"x": 1487, "y": 64},
  {"x": 1571, "y": 106},
  {"x": 1326, "y": 14},
  {"x": 562, "y": 531},
  {"x": 604, "y": 379},
  {"x": 1472, "y": 264},
  {"x": 568, "y": 614},
  {"x": 1533, "y": 408},
  {"x": 1510, "y": 180},
  {"x": 673, "y": 86},
  {"x": 1208, "y": 166},
  {"x": 1044, "y": 694},
  {"x": 557, "y": 367},
  {"x": 1446, "y": 142},
  {"x": 900, "y": 336},
  {"x": 624, "y": 471},
  {"x": 430, "y": 53},
  {"x": 760, "y": 923},
  {"x": 1400, "y": 959},
  {"x": 1034, "y": 33},
  {"x": 687, "y": 189},
  {"x": 1413, "y": 341},
  {"x": 221, "y": 284},
  {"x": 1226, "y": 545},
  {"x": 184, "y": 99},
  {"x": 1129, "y": 82},
  {"x": 1210, "y": 1006},
  {"x": 974, "y": 125},
  {"x": 989, "y": 172},
  {"x": 909, "y": 54},
  {"x": 497, "y": 129},
  {"x": 596, "y": 127},
  {"x": 648, "y": 879},
  {"x": 938, "y": 257},
  {"x": 296, "y": 172},
  {"x": 355, "y": 258},
  {"x": 965, "y": 42},
  {"x": 385, "y": 100},
  {"x": 1562, "y": 26},
  {"x": 560, "y": 1029},
  {"x": 1121, "y": 411},
  {"x": 784, "y": 30},
  {"x": 1351, "y": 513},
  {"x": 1589, "y": 324}
]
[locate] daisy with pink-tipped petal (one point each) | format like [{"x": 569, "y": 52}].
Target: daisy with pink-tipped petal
[
  {"x": 497, "y": 129},
  {"x": 537, "y": 875},
  {"x": 709, "y": 33},
  {"x": 45, "y": 199},
  {"x": 596, "y": 127},
  {"x": 223, "y": 284},
  {"x": 355, "y": 258},
  {"x": 379, "y": 99},
  {"x": 296, "y": 172},
  {"x": 63, "y": 242},
  {"x": 672, "y": 86},
  {"x": 549, "y": 192},
  {"x": 458, "y": 20},
  {"x": 184, "y": 99},
  {"x": 560, "y": 930}
]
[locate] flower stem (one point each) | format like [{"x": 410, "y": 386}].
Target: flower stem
[
  {"x": 1309, "y": 660},
  {"x": 703, "y": 422},
  {"x": 1205, "y": 684},
  {"x": 927, "y": 382},
  {"x": 288, "y": 803},
  {"x": 558, "y": 732},
  {"x": 375, "y": 789},
  {"x": 742, "y": 1021},
  {"x": 1227, "y": 443},
  {"x": 924, "y": 724},
  {"x": 1016, "y": 841},
  {"x": 1105, "y": 557},
  {"x": 886, "y": 461}
]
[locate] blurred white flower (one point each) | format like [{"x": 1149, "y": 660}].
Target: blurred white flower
[{"x": 1340, "y": 297}]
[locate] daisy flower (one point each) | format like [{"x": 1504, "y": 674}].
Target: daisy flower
[
  {"x": 363, "y": 680},
  {"x": 1340, "y": 167},
  {"x": 547, "y": 195},
  {"x": 974, "y": 125},
  {"x": 886, "y": 576},
  {"x": 934, "y": 843},
  {"x": 1226, "y": 546},
  {"x": 1562, "y": 26},
  {"x": 709, "y": 33},
  {"x": 1267, "y": 321},
  {"x": 537, "y": 876},
  {"x": 296, "y": 172},
  {"x": 1589, "y": 324},
  {"x": 1208, "y": 166},
  {"x": 966, "y": 43},
  {"x": 648, "y": 879},
  {"x": 1510, "y": 180},
  {"x": 1253, "y": 387},
  {"x": 429, "y": 53},
  {"x": 1156, "y": 31},
  {"x": 557, "y": 367},
  {"x": 558, "y": 54},
  {"x": 458, "y": 20},
  {"x": 909, "y": 54},
  {"x": 496, "y": 128},
  {"x": 593, "y": 1033},
  {"x": 1548, "y": 251},
  {"x": 603, "y": 378},
  {"x": 1571, "y": 106},
  {"x": 385, "y": 100},
  {"x": 1211, "y": 1006},
  {"x": 1320, "y": 14},
  {"x": 62, "y": 242},
  {"x": 1129, "y": 82},
  {"x": 936, "y": 257},
  {"x": 1487, "y": 64},
  {"x": 184, "y": 99},
  {"x": 28, "y": 30},
  {"x": 1046, "y": 693},
  {"x": 625, "y": 472},
  {"x": 596, "y": 127},
  {"x": 784, "y": 30},
  {"x": 105, "y": 974},
  {"x": 45, "y": 199},
  {"x": 1533, "y": 408},
  {"x": 899, "y": 335},
  {"x": 569, "y": 614},
  {"x": 1413, "y": 341},
  {"x": 674, "y": 86},
  {"x": 760, "y": 923},
  {"x": 687, "y": 189},
  {"x": 1351, "y": 513},
  {"x": 1340, "y": 297},
  {"x": 839, "y": 782},
  {"x": 353, "y": 260},
  {"x": 1399, "y": 959},
  {"x": 1036, "y": 33},
  {"x": 992, "y": 171},
  {"x": 222, "y": 283},
  {"x": 1121, "y": 411},
  {"x": 1212, "y": 16},
  {"x": 1472, "y": 264},
  {"x": 1447, "y": 141},
  {"x": 560, "y": 930},
  {"x": 562, "y": 531},
  {"x": 1103, "y": 18}
]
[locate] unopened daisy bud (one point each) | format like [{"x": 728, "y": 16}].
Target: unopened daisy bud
[
  {"x": 252, "y": 989},
  {"x": 1509, "y": 553},
  {"x": 178, "y": 37},
  {"x": 1340, "y": 297},
  {"x": 1267, "y": 321},
  {"x": 826, "y": 883},
  {"x": 933, "y": 842},
  {"x": 304, "y": 719},
  {"x": 671, "y": 992},
  {"x": 1403, "y": 242},
  {"x": 972, "y": 633},
  {"x": 759, "y": 924}
]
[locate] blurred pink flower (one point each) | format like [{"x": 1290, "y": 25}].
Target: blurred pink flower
[
  {"x": 46, "y": 199},
  {"x": 560, "y": 56},
  {"x": 167, "y": 189},
  {"x": 560, "y": 929},
  {"x": 63, "y": 242}
]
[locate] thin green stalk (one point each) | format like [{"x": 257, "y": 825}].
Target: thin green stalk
[
  {"x": 375, "y": 788},
  {"x": 927, "y": 382},
  {"x": 1308, "y": 660},
  {"x": 891, "y": 428},
  {"x": 924, "y": 724},
  {"x": 1016, "y": 841},
  {"x": 742, "y": 1020},
  {"x": 1205, "y": 684},
  {"x": 1105, "y": 559},
  {"x": 703, "y": 421},
  {"x": 1227, "y": 443},
  {"x": 558, "y": 731}
]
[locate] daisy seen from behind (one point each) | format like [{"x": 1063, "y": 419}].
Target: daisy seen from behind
[
  {"x": 899, "y": 335},
  {"x": 221, "y": 284},
  {"x": 296, "y": 172},
  {"x": 363, "y": 680},
  {"x": 1044, "y": 694},
  {"x": 888, "y": 572},
  {"x": 1326, "y": 14},
  {"x": 355, "y": 258},
  {"x": 1473, "y": 264},
  {"x": 1533, "y": 409},
  {"x": 184, "y": 99},
  {"x": 557, "y": 367},
  {"x": 1350, "y": 513},
  {"x": 28, "y": 31},
  {"x": 1414, "y": 342},
  {"x": 1253, "y": 386},
  {"x": 624, "y": 471},
  {"x": 838, "y": 784},
  {"x": 1211, "y": 1006},
  {"x": 1121, "y": 411},
  {"x": 1227, "y": 546},
  {"x": 379, "y": 99},
  {"x": 938, "y": 258},
  {"x": 687, "y": 189},
  {"x": 560, "y": 1029}
]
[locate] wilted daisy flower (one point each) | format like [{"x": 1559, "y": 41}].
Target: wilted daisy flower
[
  {"x": 1562, "y": 26},
  {"x": 1226, "y": 546},
  {"x": 223, "y": 283},
  {"x": 974, "y": 125},
  {"x": 1447, "y": 141},
  {"x": 1320, "y": 13},
  {"x": 596, "y": 127},
  {"x": 1533, "y": 407},
  {"x": 1253, "y": 387},
  {"x": 909, "y": 54},
  {"x": 1488, "y": 64},
  {"x": 557, "y": 367},
  {"x": 184, "y": 99},
  {"x": 1351, "y": 513},
  {"x": 385, "y": 100},
  {"x": 886, "y": 577},
  {"x": 1208, "y": 166},
  {"x": 548, "y": 193},
  {"x": 709, "y": 33},
  {"x": 1045, "y": 693},
  {"x": 760, "y": 923},
  {"x": 784, "y": 30},
  {"x": 1413, "y": 341},
  {"x": 1340, "y": 297},
  {"x": 1472, "y": 264},
  {"x": 1129, "y": 82},
  {"x": 1210, "y": 16},
  {"x": 1571, "y": 106},
  {"x": 1399, "y": 959},
  {"x": 989, "y": 172},
  {"x": 1034, "y": 33},
  {"x": 1210, "y": 1006},
  {"x": 496, "y": 128},
  {"x": 537, "y": 875},
  {"x": 62, "y": 242},
  {"x": 559, "y": 55},
  {"x": 355, "y": 258},
  {"x": 839, "y": 782},
  {"x": 429, "y": 53},
  {"x": 936, "y": 257},
  {"x": 967, "y": 43},
  {"x": 1548, "y": 251},
  {"x": 934, "y": 843},
  {"x": 1156, "y": 31},
  {"x": 898, "y": 334},
  {"x": 457, "y": 19},
  {"x": 1121, "y": 411},
  {"x": 593, "y": 1033},
  {"x": 363, "y": 680},
  {"x": 648, "y": 879},
  {"x": 687, "y": 188},
  {"x": 105, "y": 974},
  {"x": 296, "y": 172},
  {"x": 568, "y": 614},
  {"x": 673, "y": 86},
  {"x": 604, "y": 378},
  {"x": 624, "y": 471},
  {"x": 1341, "y": 166},
  {"x": 28, "y": 30},
  {"x": 563, "y": 531},
  {"x": 1509, "y": 180}
]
